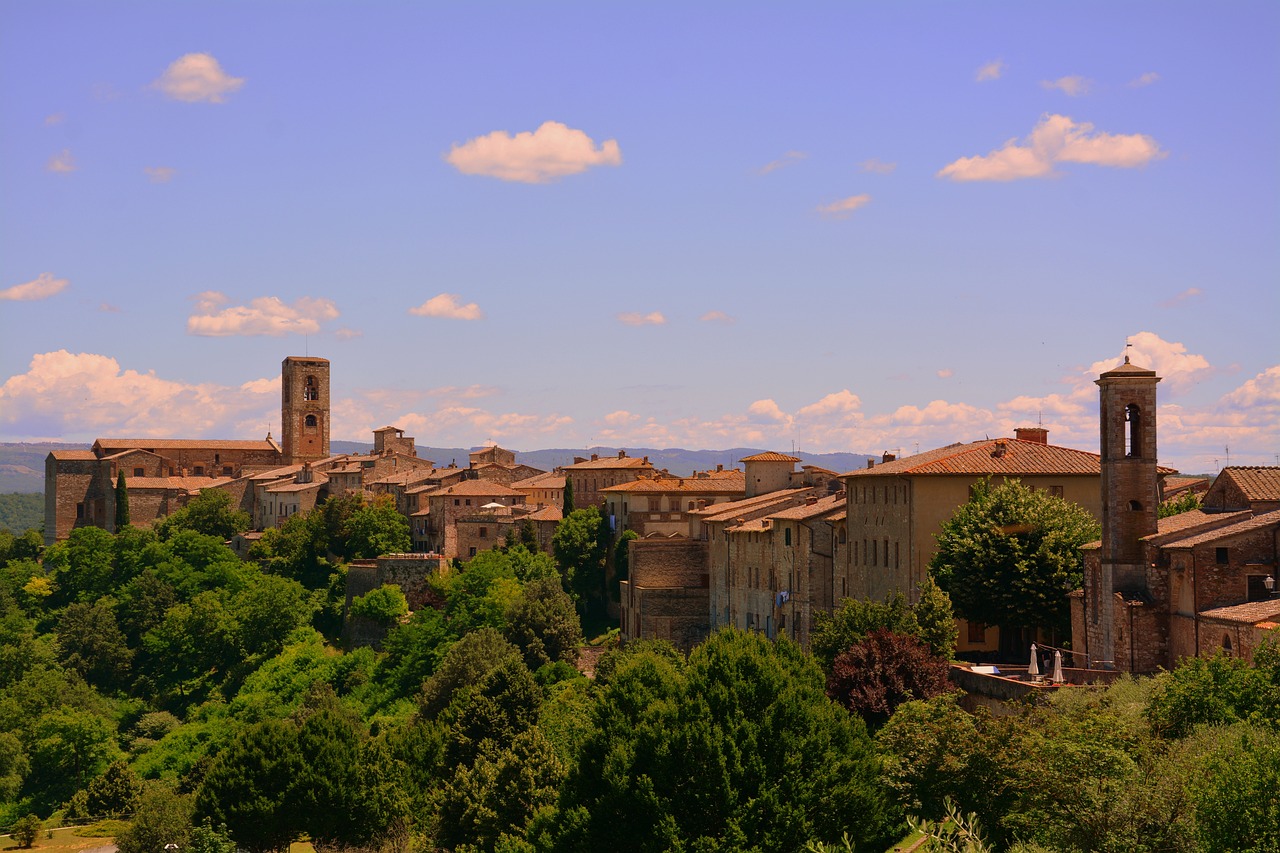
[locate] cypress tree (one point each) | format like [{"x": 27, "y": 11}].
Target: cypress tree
[
  {"x": 568, "y": 497},
  {"x": 122, "y": 503}
]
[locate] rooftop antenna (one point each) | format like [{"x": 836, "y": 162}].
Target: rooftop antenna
[
  {"x": 917, "y": 448},
  {"x": 1227, "y": 450},
  {"x": 1126, "y": 350}
]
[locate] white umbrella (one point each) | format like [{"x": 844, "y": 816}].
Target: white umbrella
[
  {"x": 1034, "y": 667},
  {"x": 1057, "y": 667}
]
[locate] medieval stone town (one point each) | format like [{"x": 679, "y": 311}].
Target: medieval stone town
[{"x": 766, "y": 547}]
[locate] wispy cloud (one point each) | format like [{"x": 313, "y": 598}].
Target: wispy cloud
[
  {"x": 266, "y": 315},
  {"x": 785, "y": 160},
  {"x": 42, "y": 287},
  {"x": 1055, "y": 139},
  {"x": 989, "y": 71},
  {"x": 635, "y": 318},
  {"x": 159, "y": 174},
  {"x": 945, "y": 373},
  {"x": 877, "y": 167},
  {"x": 844, "y": 207},
  {"x": 1073, "y": 86},
  {"x": 347, "y": 334},
  {"x": 197, "y": 77},
  {"x": 108, "y": 308},
  {"x": 61, "y": 163},
  {"x": 55, "y": 118},
  {"x": 448, "y": 306},
  {"x": 552, "y": 151},
  {"x": 1144, "y": 80},
  {"x": 1173, "y": 301},
  {"x": 716, "y": 317}
]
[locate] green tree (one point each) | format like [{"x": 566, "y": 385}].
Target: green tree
[
  {"x": 385, "y": 605},
  {"x": 115, "y": 793},
  {"x": 738, "y": 749},
  {"x": 163, "y": 817},
  {"x": 70, "y": 747},
  {"x": 374, "y": 529},
  {"x": 83, "y": 566},
  {"x": 544, "y": 624},
  {"x": 567, "y": 506},
  {"x": 927, "y": 746},
  {"x": 122, "y": 502},
  {"x": 529, "y": 535},
  {"x": 328, "y": 790},
  {"x": 252, "y": 787},
  {"x": 1217, "y": 691},
  {"x": 210, "y": 513},
  {"x": 1184, "y": 502},
  {"x": 834, "y": 632},
  {"x": 580, "y": 553},
  {"x": 1010, "y": 556},
  {"x": 937, "y": 619},
  {"x": 27, "y": 830},
  {"x": 622, "y": 560},
  {"x": 466, "y": 663},
  {"x": 90, "y": 642}
]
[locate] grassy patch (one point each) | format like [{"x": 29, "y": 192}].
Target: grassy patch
[{"x": 67, "y": 840}]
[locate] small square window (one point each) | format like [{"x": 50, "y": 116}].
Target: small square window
[
  {"x": 484, "y": 533},
  {"x": 1221, "y": 556},
  {"x": 977, "y": 632},
  {"x": 139, "y": 472},
  {"x": 471, "y": 552}
]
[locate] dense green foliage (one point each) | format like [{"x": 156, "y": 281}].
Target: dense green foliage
[
  {"x": 153, "y": 673},
  {"x": 1011, "y": 555},
  {"x": 122, "y": 502},
  {"x": 21, "y": 511},
  {"x": 1184, "y": 502}
]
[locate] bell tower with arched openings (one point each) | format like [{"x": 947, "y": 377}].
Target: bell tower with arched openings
[
  {"x": 304, "y": 409},
  {"x": 1130, "y": 490}
]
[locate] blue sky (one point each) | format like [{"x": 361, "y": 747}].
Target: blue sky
[{"x": 850, "y": 226}]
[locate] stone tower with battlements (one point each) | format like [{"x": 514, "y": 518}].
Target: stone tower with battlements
[{"x": 304, "y": 409}]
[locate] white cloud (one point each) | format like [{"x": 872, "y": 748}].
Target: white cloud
[
  {"x": 1261, "y": 393},
  {"x": 266, "y": 315},
  {"x": 108, "y": 308},
  {"x": 716, "y": 317},
  {"x": 833, "y": 404},
  {"x": 989, "y": 71},
  {"x": 85, "y": 395},
  {"x": 159, "y": 174},
  {"x": 785, "y": 160},
  {"x": 877, "y": 167},
  {"x": 1055, "y": 139},
  {"x": 471, "y": 392},
  {"x": 945, "y": 373},
  {"x": 620, "y": 418},
  {"x": 845, "y": 206},
  {"x": 552, "y": 151},
  {"x": 61, "y": 163},
  {"x": 635, "y": 318},
  {"x": 346, "y": 334},
  {"x": 1189, "y": 293},
  {"x": 197, "y": 77},
  {"x": 1178, "y": 368},
  {"x": 1144, "y": 80},
  {"x": 42, "y": 287},
  {"x": 448, "y": 306},
  {"x": 1073, "y": 86},
  {"x": 55, "y": 118}
]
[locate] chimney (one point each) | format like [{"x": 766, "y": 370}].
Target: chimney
[
  {"x": 622, "y": 454},
  {"x": 595, "y": 457},
  {"x": 720, "y": 467},
  {"x": 887, "y": 457},
  {"x": 871, "y": 463},
  {"x": 646, "y": 459},
  {"x": 1035, "y": 435}
]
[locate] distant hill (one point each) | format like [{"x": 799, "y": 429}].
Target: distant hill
[{"x": 22, "y": 464}]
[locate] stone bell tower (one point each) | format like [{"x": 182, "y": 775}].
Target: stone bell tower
[
  {"x": 304, "y": 409},
  {"x": 1130, "y": 492}
]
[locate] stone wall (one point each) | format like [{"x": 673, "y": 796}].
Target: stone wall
[{"x": 666, "y": 595}]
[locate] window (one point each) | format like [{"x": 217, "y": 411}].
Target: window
[
  {"x": 198, "y": 470},
  {"x": 471, "y": 552},
  {"x": 1055, "y": 491},
  {"x": 1221, "y": 556},
  {"x": 226, "y": 471},
  {"x": 977, "y": 632},
  {"x": 786, "y": 537},
  {"x": 310, "y": 392},
  {"x": 875, "y": 557},
  {"x": 1257, "y": 588},
  {"x": 1133, "y": 435},
  {"x": 468, "y": 501},
  {"x": 457, "y": 501},
  {"x": 80, "y": 512},
  {"x": 843, "y": 536},
  {"x": 484, "y": 533},
  {"x": 895, "y": 555},
  {"x": 139, "y": 472},
  {"x": 1135, "y": 506}
]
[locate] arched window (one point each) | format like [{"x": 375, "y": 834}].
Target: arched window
[
  {"x": 311, "y": 421},
  {"x": 1135, "y": 506},
  {"x": 309, "y": 391},
  {"x": 1226, "y": 644},
  {"x": 1133, "y": 435}
]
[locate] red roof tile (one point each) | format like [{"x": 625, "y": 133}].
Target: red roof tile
[{"x": 1010, "y": 457}]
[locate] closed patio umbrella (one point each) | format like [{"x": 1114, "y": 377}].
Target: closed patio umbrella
[{"x": 1033, "y": 668}]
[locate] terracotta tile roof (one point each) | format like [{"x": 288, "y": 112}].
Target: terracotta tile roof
[
  {"x": 1251, "y": 613},
  {"x": 297, "y": 487},
  {"x": 1193, "y": 521},
  {"x": 74, "y": 455},
  {"x": 823, "y": 506},
  {"x": 1010, "y": 457},
  {"x": 182, "y": 444},
  {"x": 736, "y": 483},
  {"x": 1178, "y": 483},
  {"x": 770, "y": 456},
  {"x": 1245, "y": 525},
  {"x": 484, "y": 488},
  {"x": 550, "y": 480},
  {"x": 547, "y": 513},
  {"x": 1258, "y": 483},
  {"x": 138, "y": 484},
  {"x": 607, "y": 463},
  {"x": 732, "y": 509},
  {"x": 277, "y": 473}
]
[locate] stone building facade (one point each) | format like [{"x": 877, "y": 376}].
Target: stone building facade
[
  {"x": 589, "y": 477},
  {"x": 1157, "y": 591}
]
